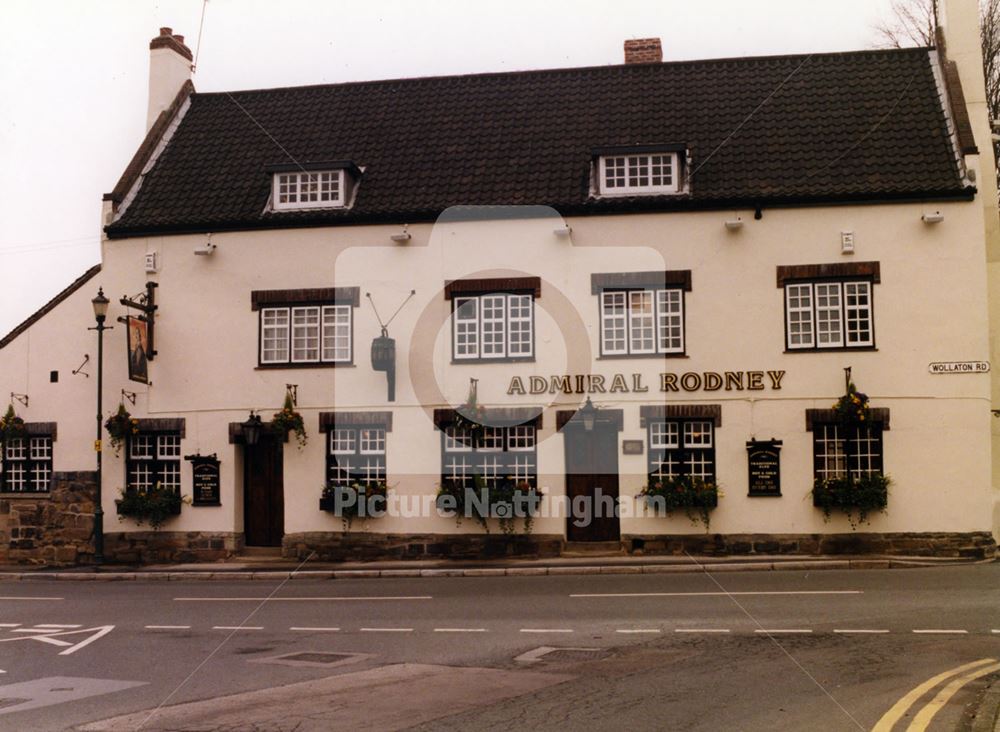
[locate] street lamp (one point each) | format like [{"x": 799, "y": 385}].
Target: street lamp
[{"x": 100, "y": 304}]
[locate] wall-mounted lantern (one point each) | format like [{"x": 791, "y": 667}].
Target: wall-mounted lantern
[{"x": 252, "y": 429}]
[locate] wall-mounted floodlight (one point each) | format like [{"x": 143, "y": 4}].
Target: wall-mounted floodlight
[
  {"x": 402, "y": 237},
  {"x": 562, "y": 232},
  {"x": 734, "y": 224},
  {"x": 933, "y": 218}
]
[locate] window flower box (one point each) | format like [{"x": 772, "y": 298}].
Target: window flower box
[
  {"x": 696, "y": 497},
  {"x": 862, "y": 495},
  {"x": 155, "y": 505}
]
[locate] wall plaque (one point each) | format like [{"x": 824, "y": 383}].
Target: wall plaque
[
  {"x": 632, "y": 447},
  {"x": 764, "y": 466},
  {"x": 205, "y": 480}
]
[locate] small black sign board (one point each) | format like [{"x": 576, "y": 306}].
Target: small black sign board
[
  {"x": 764, "y": 464},
  {"x": 205, "y": 472}
]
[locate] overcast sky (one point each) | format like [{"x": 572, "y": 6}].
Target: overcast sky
[{"x": 74, "y": 79}]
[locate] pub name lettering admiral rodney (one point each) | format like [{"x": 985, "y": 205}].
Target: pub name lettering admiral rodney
[{"x": 635, "y": 383}]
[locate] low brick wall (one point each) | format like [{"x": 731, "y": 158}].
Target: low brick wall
[
  {"x": 150, "y": 547},
  {"x": 359, "y": 546},
  {"x": 966, "y": 545},
  {"x": 55, "y": 528}
]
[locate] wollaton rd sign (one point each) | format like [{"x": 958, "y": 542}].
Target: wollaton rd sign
[{"x": 959, "y": 367}]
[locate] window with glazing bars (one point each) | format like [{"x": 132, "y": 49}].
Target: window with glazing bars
[
  {"x": 27, "y": 465},
  {"x": 306, "y": 334},
  {"x": 495, "y": 454},
  {"x": 493, "y": 326},
  {"x": 639, "y": 173},
  {"x": 154, "y": 458},
  {"x": 637, "y": 322},
  {"x": 681, "y": 447},
  {"x": 839, "y": 451},
  {"x": 355, "y": 455},
  {"x": 322, "y": 189},
  {"x": 821, "y": 315}
]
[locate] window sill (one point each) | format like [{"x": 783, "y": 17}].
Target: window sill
[
  {"x": 35, "y": 495},
  {"x": 320, "y": 365},
  {"x": 763, "y": 495},
  {"x": 624, "y": 356},
  {"x": 839, "y": 349},
  {"x": 476, "y": 361}
]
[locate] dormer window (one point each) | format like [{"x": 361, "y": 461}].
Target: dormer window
[
  {"x": 308, "y": 190},
  {"x": 312, "y": 186},
  {"x": 649, "y": 170}
]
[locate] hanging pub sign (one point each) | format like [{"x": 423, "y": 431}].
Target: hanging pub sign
[
  {"x": 138, "y": 349},
  {"x": 205, "y": 480},
  {"x": 764, "y": 464}
]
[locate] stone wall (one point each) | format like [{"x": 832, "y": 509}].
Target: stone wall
[
  {"x": 966, "y": 545},
  {"x": 55, "y": 528},
  {"x": 361, "y": 546},
  {"x": 150, "y": 547}
]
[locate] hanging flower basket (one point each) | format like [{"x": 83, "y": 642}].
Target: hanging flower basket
[
  {"x": 695, "y": 496},
  {"x": 154, "y": 505},
  {"x": 852, "y": 408},
  {"x": 11, "y": 426},
  {"x": 470, "y": 416},
  {"x": 120, "y": 426},
  {"x": 850, "y": 495},
  {"x": 288, "y": 420}
]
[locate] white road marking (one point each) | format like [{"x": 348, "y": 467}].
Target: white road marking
[
  {"x": 237, "y": 627},
  {"x": 316, "y": 630},
  {"x": 101, "y": 632},
  {"x": 460, "y": 630},
  {"x": 387, "y": 630},
  {"x": 301, "y": 599},
  {"x": 860, "y": 630},
  {"x": 2, "y": 671},
  {"x": 546, "y": 630},
  {"x": 33, "y": 599},
  {"x": 942, "y": 631},
  {"x": 56, "y": 625},
  {"x": 35, "y": 630},
  {"x": 721, "y": 594},
  {"x": 638, "y": 630},
  {"x": 995, "y": 630},
  {"x": 776, "y": 631},
  {"x": 701, "y": 630},
  {"x": 168, "y": 627},
  {"x": 14, "y": 625}
]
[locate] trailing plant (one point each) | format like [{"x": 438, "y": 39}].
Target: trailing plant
[
  {"x": 120, "y": 426},
  {"x": 288, "y": 419},
  {"x": 862, "y": 495},
  {"x": 695, "y": 496},
  {"x": 471, "y": 415},
  {"x": 506, "y": 501},
  {"x": 11, "y": 426},
  {"x": 852, "y": 408},
  {"x": 154, "y": 505},
  {"x": 346, "y": 501}
]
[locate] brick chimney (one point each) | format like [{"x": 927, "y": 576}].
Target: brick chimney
[
  {"x": 169, "y": 67},
  {"x": 643, "y": 51}
]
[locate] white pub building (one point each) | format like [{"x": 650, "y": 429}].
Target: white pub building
[{"x": 648, "y": 275}]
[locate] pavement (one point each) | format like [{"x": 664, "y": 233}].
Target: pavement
[{"x": 263, "y": 568}]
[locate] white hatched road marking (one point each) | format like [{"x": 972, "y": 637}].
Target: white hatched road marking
[
  {"x": 56, "y": 625},
  {"x": 15, "y": 625},
  {"x": 168, "y": 627},
  {"x": 860, "y": 630},
  {"x": 460, "y": 630},
  {"x": 719, "y": 594},
  {"x": 387, "y": 630},
  {"x": 316, "y": 630},
  {"x": 302, "y": 599},
  {"x": 783, "y": 631},
  {"x": 33, "y": 599},
  {"x": 237, "y": 627},
  {"x": 941, "y": 631}
]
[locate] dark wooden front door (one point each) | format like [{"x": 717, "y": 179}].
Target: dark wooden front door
[
  {"x": 263, "y": 493},
  {"x": 592, "y": 472}
]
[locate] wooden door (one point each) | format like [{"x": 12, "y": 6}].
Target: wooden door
[
  {"x": 592, "y": 472},
  {"x": 263, "y": 493}
]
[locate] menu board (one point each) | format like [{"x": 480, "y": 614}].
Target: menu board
[
  {"x": 764, "y": 466},
  {"x": 205, "y": 489}
]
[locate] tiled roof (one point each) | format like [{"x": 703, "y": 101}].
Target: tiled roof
[
  {"x": 50, "y": 305},
  {"x": 825, "y": 127}
]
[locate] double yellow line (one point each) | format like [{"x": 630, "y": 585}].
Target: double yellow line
[{"x": 963, "y": 675}]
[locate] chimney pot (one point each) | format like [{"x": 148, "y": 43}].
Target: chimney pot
[
  {"x": 643, "y": 51},
  {"x": 166, "y": 31},
  {"x": 179, "y": 38}
]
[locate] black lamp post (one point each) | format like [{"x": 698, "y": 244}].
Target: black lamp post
[
  {"x": 100, "y": 304},
  {"x": 252, "y": 429}
]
